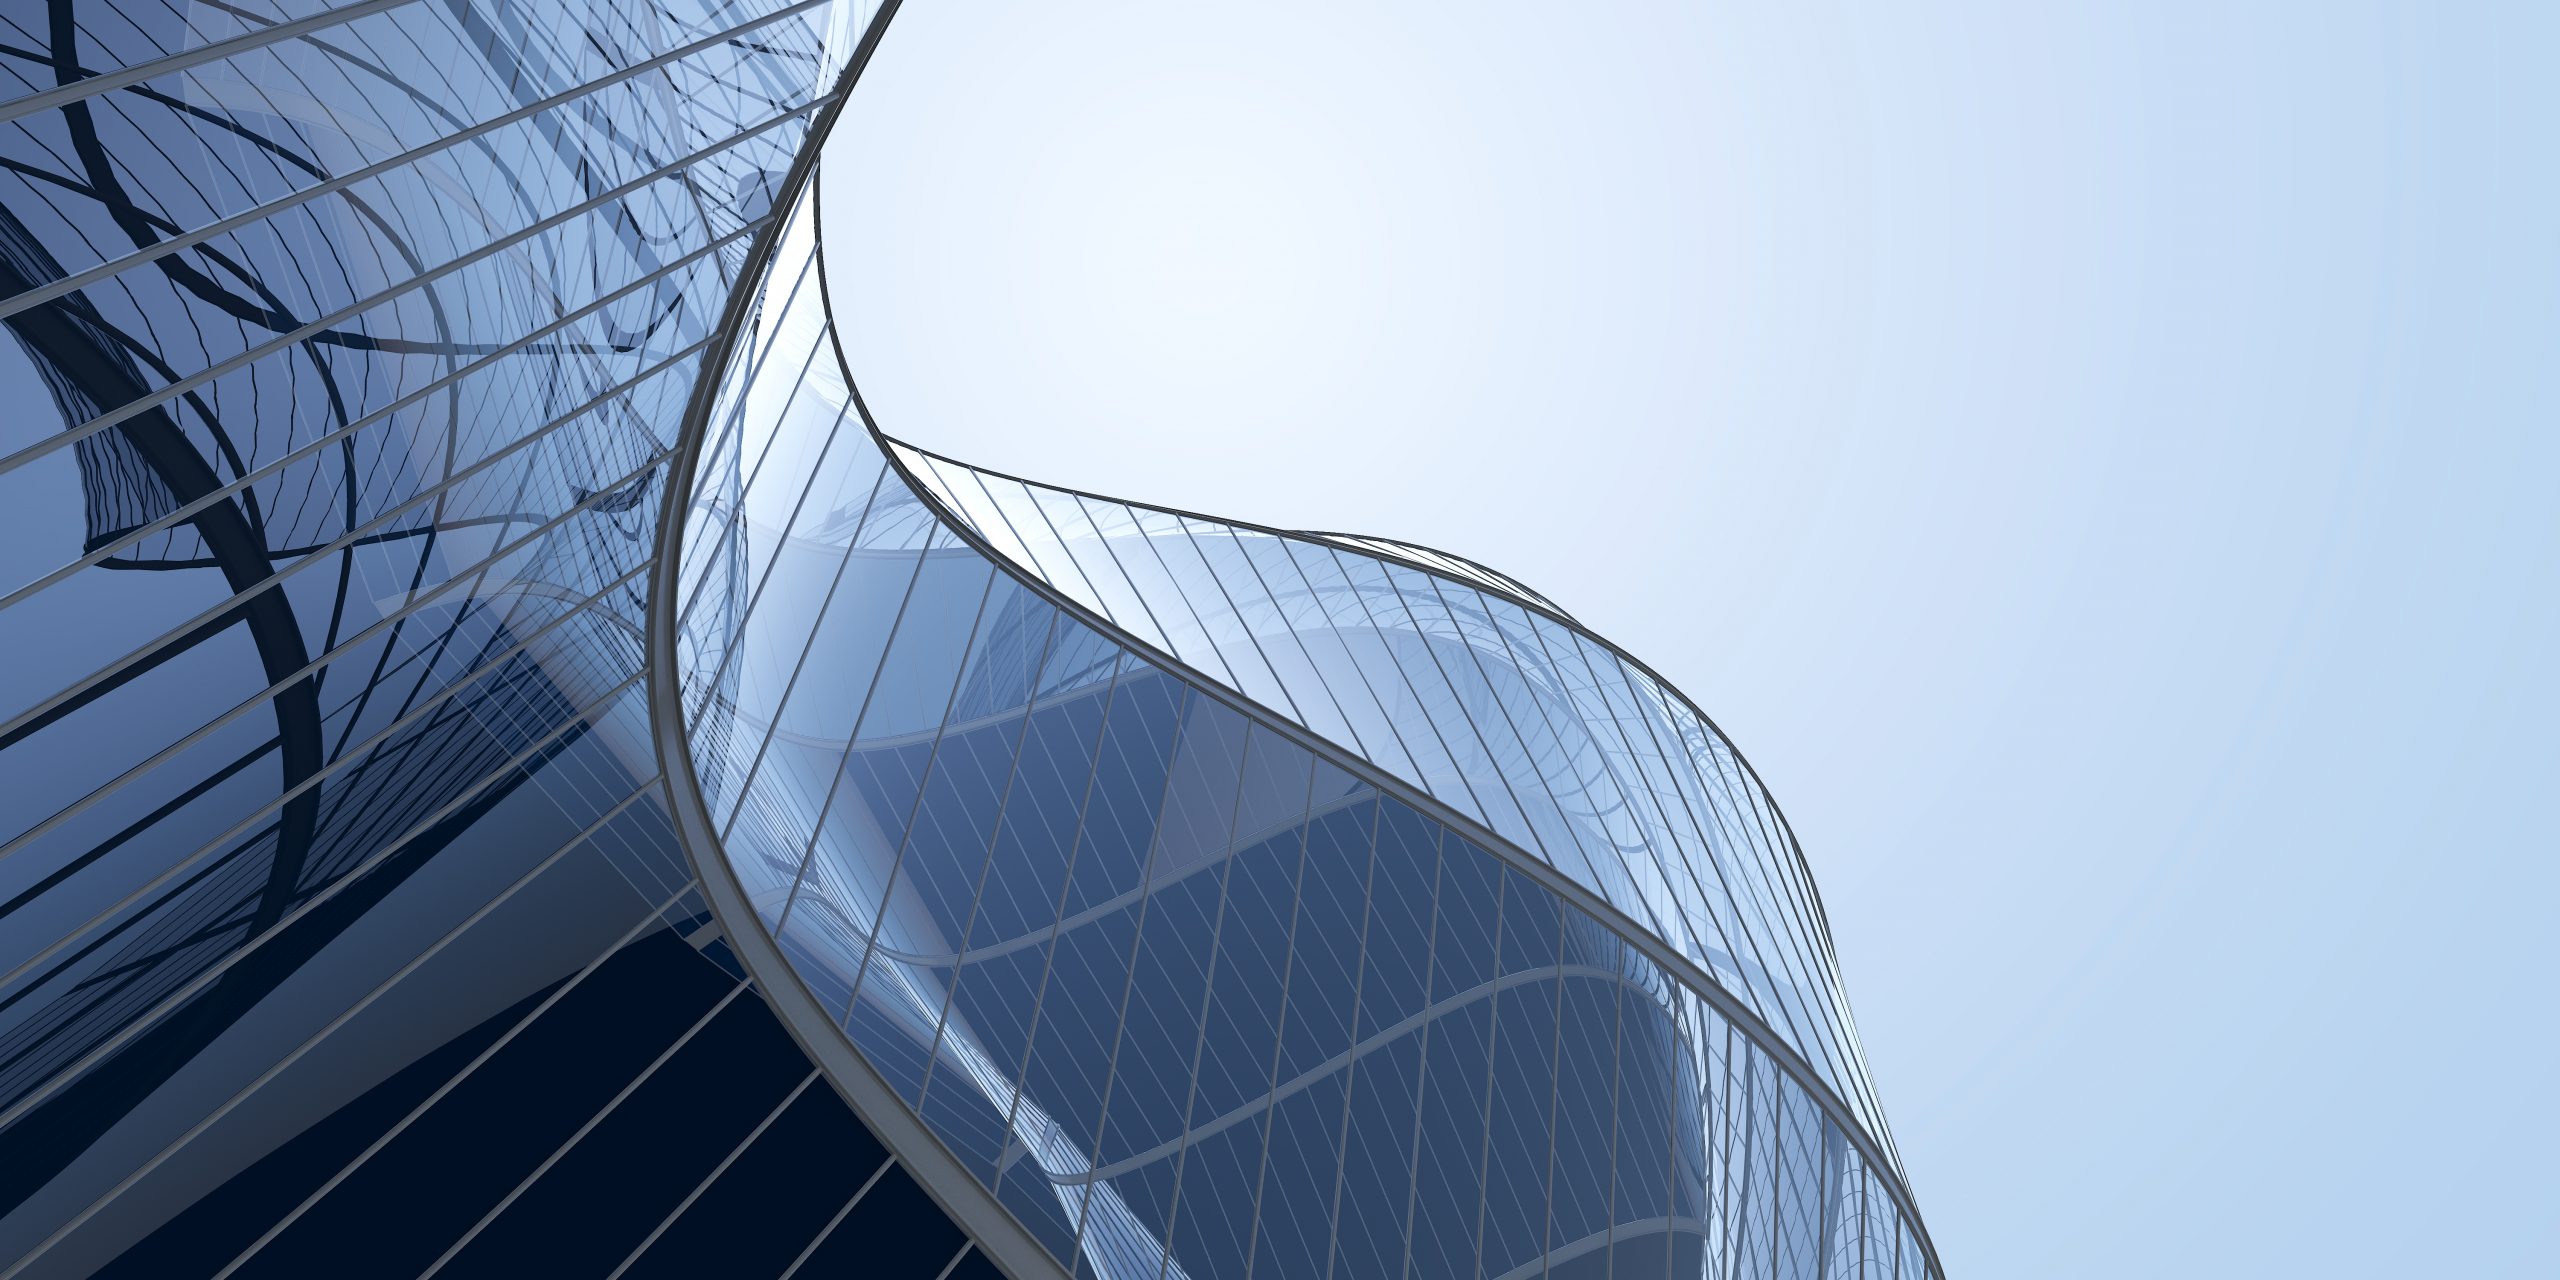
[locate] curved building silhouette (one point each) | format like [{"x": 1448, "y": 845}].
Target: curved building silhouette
[{"x": 505, "y": 769}]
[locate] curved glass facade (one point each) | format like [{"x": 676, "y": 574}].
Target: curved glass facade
[
  {"x": 343, "y": 929},
  {"x": 1462, "y": 683},
  {"x": 1195, "y": 969},
  {"x": 424, "y": 850}
]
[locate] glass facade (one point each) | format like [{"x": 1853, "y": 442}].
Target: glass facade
[
  {"x": 1185, "y": 879},
  {"x": 343, "y": 929},
  {"x": 426, "y": 849},
  {"x": 1465, "y": 684}
]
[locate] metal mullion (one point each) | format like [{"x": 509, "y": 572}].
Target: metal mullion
[
  {"x": 104, "y": 789},
  {"x": 755, "y": 472},
  {"x": 1016, "y": 528},
  {"x": 345, "y": 760},
  {"x": 924, "y": 783},
  {"x": 1555, "y": 1094},
  {"x": 1066, "y": 882},
  {"x": 1359, "y": 670},
  {"x": 714, "y": 1175},
  {"x": 35, "y": 1096},
  {"x": 1351, "y": 1076},
  {"x": 1814, "y": 978},
  {"x": 583, "y": 1130},
  {"x": 1422, "y": 1069},
  {"x": 171, "y": 64},
  {"x": 1422, "y": 706},
  {"x": 1617, "y": 1073},
  {"x": 1280, "y": 1031},
  {"x": 1742, "y": 945},
  {"x": 1732, "y": 1198},
  {"x": 1779, "y": 841},
  {"x": 853, "y": 539},
  {"x": 1760, "y": 859},
  {"x": 1735, "y": 902},
  {"x": 1147, "y": 540},
  {"x": 320, "y": 554},
  {"x": 746, "y": 781},
  {"x": 1129, "y": 982},
  {"x": 1492, "y": 1055},
  {"x": 993, "y": 532},
  {"x": 995, "y": 836},
  {"x": 1661, "y": 868},
  {"x": 559, "y": 993},
  {"x": 740, "y": 368},
  {"x": 313, "y": 1040},
  {"x": 1750, "y": 1158},
  {"x": 966, "y": 1244},
  {"x": 832, "y": 1223},
  {"x": 1208, "y": 989},
  {"x": 1102, "y": 547},
  {"x": 1298, "y": 639},
  {"x": 1672, "y": 1124},
  {"x": 1351, "y": 591},
  {"x": 1502, "y": 708},
  {"x": 1242, "y": 623},
  {"x": 288, "y": 340},
  {"x": 835, "y": 784},
  {"x": 318, "y": 443},
  {"x": 347, "y": 645},
  {"x": 1777, "y": 1175}
]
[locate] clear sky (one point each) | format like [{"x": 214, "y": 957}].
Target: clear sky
[{"x": 2101, "y": 461}]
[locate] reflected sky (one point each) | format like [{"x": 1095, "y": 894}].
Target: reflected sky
[{"x": 2102, "y": 452}]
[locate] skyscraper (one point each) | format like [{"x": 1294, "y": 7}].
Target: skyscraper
[{"x": 429, "y": 849}]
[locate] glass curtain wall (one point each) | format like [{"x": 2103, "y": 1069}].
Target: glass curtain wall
[
  {"x": 349, "y": 343},
  {"x": 1182, "y": 991}
]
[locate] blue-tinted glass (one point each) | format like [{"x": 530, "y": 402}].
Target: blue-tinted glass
[
  {"x": 1294, "y": 1234},
  {"x": 1585, "y": 1136},
  {"x": 1133, "y": 552},
  {"x": 1521, "y": 1100},
  {"x": 1261, "y": 615},
  {"x": 1379, "y": 675}
]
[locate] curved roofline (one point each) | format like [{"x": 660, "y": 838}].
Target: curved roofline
[
  {"x": 1795, "y": 847},
  {"x": 1512, "y": 588},
  {"x": 917, "y": 1147},
  {"x": 1875, "y": 1148},
  {"x": 942, "y": 1176}
]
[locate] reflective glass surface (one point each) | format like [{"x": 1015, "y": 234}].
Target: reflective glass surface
[
  {"x": 1465, "y": 684},
  {"x": 1149, "y": 953},
  {"x": 349, "y": 343}
]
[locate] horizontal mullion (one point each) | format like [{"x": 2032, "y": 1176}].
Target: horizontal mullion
[
  {"x": 478, "y": 364},
  {"x": 349, "y": 538},
  {"x": 54, "y": 1083},
  {"x": 284, "y": 204},
  {"x": 285, "y": 341},
  {"x": 217, "y": 51},
  {"x": 311, "y": 1042},
  {"x": 346, "y": 759}
]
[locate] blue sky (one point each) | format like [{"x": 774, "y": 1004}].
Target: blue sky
[{"x": 2098, "y": 461}]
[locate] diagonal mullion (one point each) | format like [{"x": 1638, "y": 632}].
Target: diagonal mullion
[
  {"x": 80, "y": 280},
  {"x": 219, "y": 50},
  {"x": 43, "y": 712},
  {"x": 313, "y": 1041},
  {"x": 36, "y": 1096},
  {"x": 557, "y": 995},
  {"x": 317, "y": 443},
  {"x": 350, "y": 759},
  {"x": 283, "y": 341}
]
